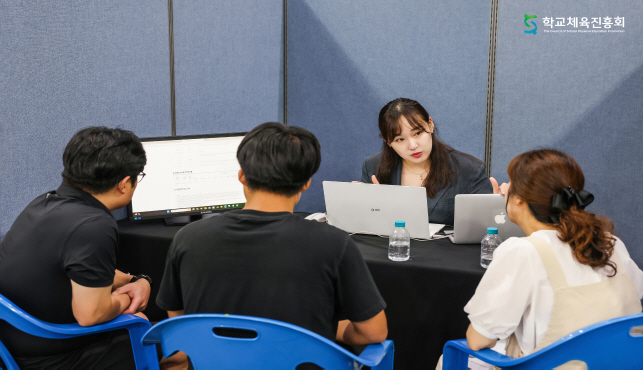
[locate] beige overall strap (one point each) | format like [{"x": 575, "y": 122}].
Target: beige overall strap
[
  {"x": 556, "y": 277},
  {"x": 512, "y": 348},
  {"x": 554, "y": 271}
]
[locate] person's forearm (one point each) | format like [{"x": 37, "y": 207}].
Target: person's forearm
[
  {"x": 353, "y": 337},
  {"x": 172, "y": 314},
  {"x": 118, "y": 304},
  {"x": 341, "y": 328},
  {"x": 373, "y": 330},
  {"x": 105, "y": 312},
  {"x": 478, "y": 341},
  {"x": 349, "y": 333},
  {"x": 120, "y": 279}
]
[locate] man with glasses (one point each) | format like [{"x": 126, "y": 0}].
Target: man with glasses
[{"x": 57, "y": 262}]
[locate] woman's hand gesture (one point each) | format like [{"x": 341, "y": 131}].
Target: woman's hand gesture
[{"x": 374, "y": 179}]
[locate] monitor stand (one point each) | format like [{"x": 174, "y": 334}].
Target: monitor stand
[
  {"x": 177, "y": 221},
  {"x": 208, "y": 215},
  {"x": 184, "y": 220}
]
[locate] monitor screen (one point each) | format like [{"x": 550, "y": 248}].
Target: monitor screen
[{"x": 188, "y": 175}]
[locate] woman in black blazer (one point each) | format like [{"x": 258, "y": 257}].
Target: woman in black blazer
[{"x": 412, "y": 155}]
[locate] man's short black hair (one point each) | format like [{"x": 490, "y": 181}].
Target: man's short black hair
[
  {"x": 97, "y": 158},
  {"x": 278, "y": 158}
]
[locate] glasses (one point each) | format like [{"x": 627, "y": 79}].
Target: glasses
[{"x": 140, "y": 176}]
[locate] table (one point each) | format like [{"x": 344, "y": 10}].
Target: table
[{"x": 425, "y": 295}]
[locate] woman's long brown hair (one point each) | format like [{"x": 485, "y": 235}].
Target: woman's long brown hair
[
  {"x": 536, "y": 176},
  {"x": 442, "y": 172}
]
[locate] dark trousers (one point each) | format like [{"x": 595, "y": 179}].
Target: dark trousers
[{"x": 114, "y": 351}]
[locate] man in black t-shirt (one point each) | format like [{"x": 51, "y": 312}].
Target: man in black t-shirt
[
  {"x": 57, "y": 262},
  {"x": 265, "y": 261}
]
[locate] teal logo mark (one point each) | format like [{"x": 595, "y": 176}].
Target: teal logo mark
[{"x": 528, "y": 17}]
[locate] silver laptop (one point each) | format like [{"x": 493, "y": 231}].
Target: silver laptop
[
  {"x": 373, "y": 209},
  {"x": 474, "y": 213}
]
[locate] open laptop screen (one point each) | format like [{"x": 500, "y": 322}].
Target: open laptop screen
[{"x": 373, "y": 209}]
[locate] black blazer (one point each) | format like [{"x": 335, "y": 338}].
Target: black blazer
[{"x": 471, "y": 179}]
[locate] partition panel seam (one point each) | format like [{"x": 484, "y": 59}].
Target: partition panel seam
[
  {"x": 170, "y": 11},
  {"x": 491, "y": 76},
  {"x": 285, "y": 20}
]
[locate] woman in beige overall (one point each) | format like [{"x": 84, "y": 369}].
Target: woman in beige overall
[{"x": 569, "y": 272}]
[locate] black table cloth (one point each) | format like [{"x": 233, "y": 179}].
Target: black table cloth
[{"x": 425, "y": 295}]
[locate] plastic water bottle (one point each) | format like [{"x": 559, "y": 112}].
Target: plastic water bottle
[
  {"x": 489, "y": 243},
  {"x": 399, "y": 243}
]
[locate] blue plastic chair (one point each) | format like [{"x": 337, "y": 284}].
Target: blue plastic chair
[
  {"x": 145, "y": 357},
  {"x": 277, "y": 345},
  {"x": 610, "y": 344}
]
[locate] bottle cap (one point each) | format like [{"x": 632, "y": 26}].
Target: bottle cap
[
  {"x": 492, "y": 230},
  {"x": 400, "y": 224}
]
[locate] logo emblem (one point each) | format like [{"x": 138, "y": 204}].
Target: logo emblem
[
  {"x": 528, "y": 17},
  {"x": 500, "y": 219}
]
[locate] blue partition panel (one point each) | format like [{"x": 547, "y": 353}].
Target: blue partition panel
[
  {"x": 65, "y": 65},
  {"x": 228, "y": 65},
  {"x": 347, "y": 59},
  {"x": 579, "y": 92}
]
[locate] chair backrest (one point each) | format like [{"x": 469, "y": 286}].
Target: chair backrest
[
  {"x": 610, "y": 344},
  {"x": 276, "y": 344}
]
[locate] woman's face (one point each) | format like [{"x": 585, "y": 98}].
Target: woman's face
[{"x": 413, "y": 145}]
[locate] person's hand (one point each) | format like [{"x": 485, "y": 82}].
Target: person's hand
[
  {"x": 139, "y": 292},
  {"x": 504, "y": 188},
  {"x": 372, "y": 178},
  {"x": 494, "y": 185},
  {"x": 177, "y": 361},
  {"x": 142, "y": 316}
]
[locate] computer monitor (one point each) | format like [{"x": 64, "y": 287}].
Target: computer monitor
[{"x": 188, "y": 175}]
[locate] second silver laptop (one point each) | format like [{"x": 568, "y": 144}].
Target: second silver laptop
[{"x": 474, "y": 213}]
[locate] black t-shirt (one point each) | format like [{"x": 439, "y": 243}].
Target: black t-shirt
[
  {"x": 272, "y": 265},
  {"x": 62, "y": 235}
]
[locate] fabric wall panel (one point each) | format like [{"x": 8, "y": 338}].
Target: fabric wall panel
[
  {"x": 228, "y": 65},
  {"x": 347, "y": 59},
  {"x": 579, "y": 92},
  {"x": 68, "y": 65}
]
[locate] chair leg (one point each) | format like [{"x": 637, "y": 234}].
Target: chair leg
[
  {"x": 454, "y": 359},
  {"x": 144, "y": 356},
  {"x": 9, "y": 362}
]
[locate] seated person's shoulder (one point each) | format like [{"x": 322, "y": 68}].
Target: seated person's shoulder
[
  {"x": 370, "y": 167},
  {"x": 81, "y": 215},
  {"x": 471, "y": 173},
  {"x": 89, "y": 226},
  {"x": 622, "y": 251},
  {"x": 198, "y": 229},
  {"x": 466, "y": 162},
  {"x": 373, "y": 159},
  {"x": 516, "y": 249},
  {"x": 323, "y": 234},
  {"x": 322, "y": 229},
  {"x": 99, "y": 219}
]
